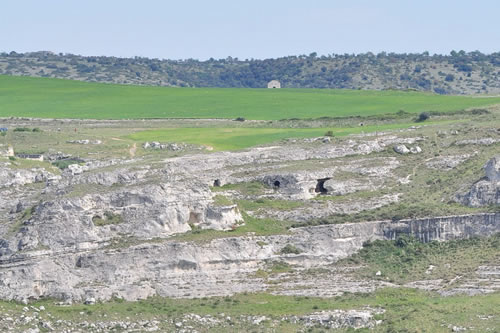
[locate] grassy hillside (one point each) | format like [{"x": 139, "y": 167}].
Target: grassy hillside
[
  {"x": 239, "y": 138},
  {"x": 54, "y": 98}
]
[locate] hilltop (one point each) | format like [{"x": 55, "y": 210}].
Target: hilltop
[{"x": 457, "y": 73}]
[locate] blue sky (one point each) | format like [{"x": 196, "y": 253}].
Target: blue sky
[{"x": 248, "y": 29}]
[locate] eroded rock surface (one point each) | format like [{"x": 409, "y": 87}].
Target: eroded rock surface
[
  {"x": 104, "y": 228},
  {"x": 486, "y": 191}
]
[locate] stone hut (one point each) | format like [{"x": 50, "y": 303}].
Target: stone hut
[{"x": 274, "y": 84}]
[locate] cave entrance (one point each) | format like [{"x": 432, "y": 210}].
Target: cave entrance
[
  {"x": 217, "y": 183},
  {"x": 320, "y": 186},
  {"x": 276, "y": 183}
]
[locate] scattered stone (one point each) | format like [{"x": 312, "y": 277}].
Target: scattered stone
[
  {"x": 458, "y": 329},
  {"x": 337, "y": 319},
  {"x": 90, "y": 301},
  {"x": 415, "y": 150},
  {"x": 85, "y": 142},
  {"x": 483, "y": 141},
  {"x": 401, "y": 149}
]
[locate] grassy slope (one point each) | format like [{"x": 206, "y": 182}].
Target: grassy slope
[
  {"x": 54, "y": 98},
  {"x": 407, "y": 310},
  {"x": 239, "y": 138}
]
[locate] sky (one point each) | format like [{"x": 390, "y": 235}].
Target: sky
[{"x": 248, "y": 29}]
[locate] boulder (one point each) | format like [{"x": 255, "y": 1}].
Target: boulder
[
  {"x": 401, "y": 149},
  {"x": 415, "y": 150},
  {"x": 485, "y": 192},
  {"x": 492, "y": 169}
]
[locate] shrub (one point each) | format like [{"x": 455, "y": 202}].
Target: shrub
[
  {"x": 439, "y": 90},
  {"x": 290, "y": 249},
  {"x": 240, "y": 119},
  {"x": 63, "y": 164},
  {"x": 423, "y": 117},
  {"x": 12, "y": 158},
  {"x": 36, "y": 129},
  {"x": 3, "y": 133},
  {"x": 108, "y": 218},
  {"x": 329, "y": 133},
  {"x": 22, "y": 129},
  {"x": 449, "y": 78}
]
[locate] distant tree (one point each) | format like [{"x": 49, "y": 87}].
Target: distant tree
[
  {"x": 423, "y": 117},
  {"x": 449, "y": 78}
]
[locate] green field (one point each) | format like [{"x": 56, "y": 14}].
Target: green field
[
  {"x": 55, "y": 98},
  {"x": 241, "y": 137}
]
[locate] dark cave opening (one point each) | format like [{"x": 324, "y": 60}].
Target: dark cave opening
[{"x": 320, "y": 188}]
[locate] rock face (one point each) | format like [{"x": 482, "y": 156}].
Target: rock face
[
  {"x": 487, "y": 191},
  {"x": 111, "y": 227},
  {"x": 19, "y": 177},
  {"x": 447, "y": 162},
  {"x": 492, "y": 169},
  {"x": 219, "y": 267},
  {"x": 144, "y": 212}
]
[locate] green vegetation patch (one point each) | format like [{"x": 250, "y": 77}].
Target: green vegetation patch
[
  {"x": 220, "y": 200},
  {"x": 406, "y": 259},
  {"x": 407, "y": 310},
  {"x": 250, "y": 188},
  {"x": 107, "y": 218},
  {"x": 55, "y": 98},
  {"x": 290, "y": 249},
  {"x": 241, "y": 137},
  {"x": 63, "y": 164},
  {"x": 262, "y": 203},
  {"x": 259, "y": 227}
]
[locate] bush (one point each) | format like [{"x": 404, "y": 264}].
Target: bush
[
  {"x": 22, "y": 129},
  {"x": 3, "y": 133},
  {"x": 107, "y": 219},
  {"x": 36, "y": 129},
  {"x": 63, "y": 164},
  {"x": 423, "y": 116},
  {"x": 329, "y": 133},
  {"x": 290, "y": 249},
  {"x": 240, "y": 119},
  {"x": 439, "y": 90},
  {"x": 449, "y": 78}
]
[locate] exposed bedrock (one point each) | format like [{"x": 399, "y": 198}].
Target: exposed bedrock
[
  {"x": 143, "y": 212},
  {"x": 487, "y": 190},
  {"x": 219, "y": 267},
  {"x": 365, "y": 174},
  {"x": 233, "y": 167}
]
